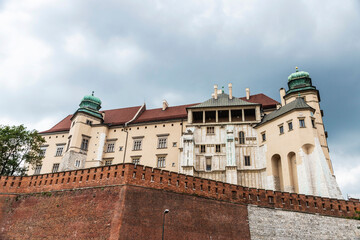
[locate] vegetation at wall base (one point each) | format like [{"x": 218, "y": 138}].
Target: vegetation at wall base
[{"x": 19, "y": 149}]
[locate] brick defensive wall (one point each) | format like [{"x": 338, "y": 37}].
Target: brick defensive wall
[{"x": 153, "y": 178}]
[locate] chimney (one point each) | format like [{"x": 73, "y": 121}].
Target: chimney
[
  {"x": 230, "y": 91},
  {"x": 247, "y": 93},
  {"x": 282, "y": 95},
  {"x": 215, "y": 91},
  {"x": 165, "y": 105}
]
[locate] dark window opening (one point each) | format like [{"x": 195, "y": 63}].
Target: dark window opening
[
  {"x": 247, "y": 160},
  {"x": 223, "y": 116},
  {"x": 241, "y": 137},
  {"x": 210, "y": 116},
  {"x": 249, "y": 114},
  {"x": 197, "y": 117},
  {"x": 236, "y": 115}
]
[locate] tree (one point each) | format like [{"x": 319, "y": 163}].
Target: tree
[{"x": 19, "y": 149}]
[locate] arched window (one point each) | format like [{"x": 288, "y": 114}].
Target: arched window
[{"x": 241, "y": 137}]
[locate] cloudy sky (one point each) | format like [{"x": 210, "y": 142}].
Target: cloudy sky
[{"x": 54, "y": 52}]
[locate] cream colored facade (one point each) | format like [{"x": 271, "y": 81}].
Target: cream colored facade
[{"x": 224, "y": 138}]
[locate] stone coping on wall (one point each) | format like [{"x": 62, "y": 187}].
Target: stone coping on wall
[{"x": 155, "y": 178}]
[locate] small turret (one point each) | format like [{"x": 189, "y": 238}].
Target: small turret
[
  {"x": 299, "y": 81},
  {"x": 91, "y": 105}
]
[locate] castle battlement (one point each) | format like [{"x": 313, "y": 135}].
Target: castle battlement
[{"x": 154, "y": 178}]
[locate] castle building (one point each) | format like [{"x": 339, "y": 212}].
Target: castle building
[{"x": 252, "y": 141}]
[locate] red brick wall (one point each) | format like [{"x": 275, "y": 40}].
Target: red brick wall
[
  {"x": 121, "y": 212},
  {"x": 155, "y": 178}
]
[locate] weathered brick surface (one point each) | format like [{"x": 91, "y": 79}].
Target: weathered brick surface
[
  {"x": 190, "y": 217},
  {"x": 180, "y": 183},
  {"x": 267, "y": 223},
  {"x": 127, "y": 201},
  {"x": 79, "y": 214}
]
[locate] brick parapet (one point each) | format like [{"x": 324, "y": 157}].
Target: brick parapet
[{"x": 171, "y": 181}]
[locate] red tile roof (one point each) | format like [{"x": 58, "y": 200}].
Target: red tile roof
[
  {"x": 158, "y": 114},
  {"x": 120, "y": 115},
  {"x": 123, "y": 115},
  {"x": 261, "y": 98},
  {"x": 63, "y": 125},
  {"x": 113, "y": 117}
]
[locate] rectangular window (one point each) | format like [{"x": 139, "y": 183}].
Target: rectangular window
[
  {"x": 162, "y": 142},
  {"x": 59, "y": 151},
  {"x": 137, "y": 144},
  {"x": 174, "y": 144},
  {"x": 210, "y": 130},
  {"x": 218, "y": 148},
  {"x": 55, "y": 167},
  {"x": 313, "y": 123},
  {"x": 42, "y": 152},
  {"x": 108, "y": 162},
  {"x": 77, "y": 163},
  {"x": 247, "y": 160},
  {"x": 290, "y": 125},
  {"x": 161, "y": 162},
  {"x": 84, "y": 144},
  {"x": 281, "y": 129},
  {"x": 208, "y": 164},
  {"x": 88, "y": 122},
  {"x": 121, "y": 148},
  {"x": 202, "y": 148},
  {"x": 110, "y": 147},
  {"x": 136, "y": 160},
  {"x": 37, "y": 169},
  {"x": 263, "y": 136},
  {"x": 302, "y": 123}
]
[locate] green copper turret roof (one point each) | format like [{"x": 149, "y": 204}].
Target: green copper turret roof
[
  {"x": 299, "y": 81},
  {"x": 90, "y": 105},
  {"x": 298, "y": 74}
]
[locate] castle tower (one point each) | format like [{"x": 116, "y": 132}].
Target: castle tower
[
  {"x": 82, "y": 122},
  {"x": 300, "y": 85}
]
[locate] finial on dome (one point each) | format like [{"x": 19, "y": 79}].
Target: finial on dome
[
  {"x": 92, "y": 94},
  {"x": 296, "y": 69}
]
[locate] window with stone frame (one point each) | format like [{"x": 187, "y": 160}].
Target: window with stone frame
[
  {"x": 84, "y": 144},
  {"x": 55, "y": 167},
  {"x": 77, "y": 163},
  {"x": 281, "y": 129},
  {"x": 110, "y": 147},
  {"x": 202, "y": 148},
  {"x": 137, "y": 144},
  {"x": 210, "y": 130},
  {"x": 162, "y": 142},
  {"x": 241, "y": 137},
  {"x": 218, "y": 148},
  {"x": 59, "y": 151},
  {"x": 108, "y": 162},
  {"x": 42, "y": 151},
  {"x": 38, "y": 169},
  {"x": 302, "y": 122},
  {"x": 136, "y": 160},
  {"x": 290, "y": 126},
  {"x": 263, "y": 136},
  {"x": 208, "y": 163},
  {"x": 247, "y": 160},
  {"x": 161, "y": 162}
]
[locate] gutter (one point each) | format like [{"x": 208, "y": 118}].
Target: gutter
[{"x": 141, "y": 110}]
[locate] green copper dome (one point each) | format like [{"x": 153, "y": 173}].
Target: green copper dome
[
  {"x": 299, "y": 81},
  {"x": 298, "y": 74},
  {"x": 90, "y": 101},
  {"x": 91, "y": 105}
]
